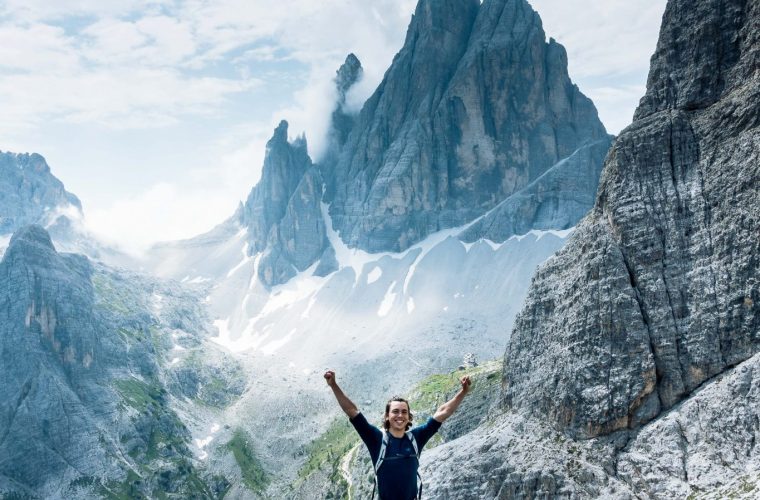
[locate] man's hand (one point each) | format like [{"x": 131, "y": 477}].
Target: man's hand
[
  {"x": 348, "y": 407},
  {"x": 330, "y": 378},
  {"x": 466, "y": 383},
  {"x": 446, "y": 409}
]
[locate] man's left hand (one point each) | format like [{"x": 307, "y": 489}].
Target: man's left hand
[{"x": 466, "y": 382}]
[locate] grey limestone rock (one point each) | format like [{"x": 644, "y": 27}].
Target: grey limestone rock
[
  {"x": 283, "y": 212},
  {"x": 284, "y": 166},
  {"x": 84, "y": 410},
  {"x": 703, "y": 448},
  {"x": 558, "y": 199},
  {"x": 657, "y": 291},
  {"x": 474, "y": 108},
  {"x": 342, "y": 120},
  {"x": 29, "y": 192},
  {"x": 51, "y": 356}
]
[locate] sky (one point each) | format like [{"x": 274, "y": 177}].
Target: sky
[{"x": 156, "y": 113}]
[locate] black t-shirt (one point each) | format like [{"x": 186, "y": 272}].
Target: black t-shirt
[{"x": 397, "y": 477}]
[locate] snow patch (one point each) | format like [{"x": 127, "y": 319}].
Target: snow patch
[
  {"x": 356, "y": 259},
  {"x": 410, "y": 305},
  {"x": 157, "y": 302},
  {"x": 246, "y": 259},
  {"x": 312, "y": 301},
  {"x": 245, "y": 342},
  {"x": 202, "y": 443},
  {"x": 273, "y": 346},
  {"x": 298, "y": 288},
  {"x": 387, "y": 303},
  {"x": 538, "y": 234},
  {"x": 374, "y": 275}
]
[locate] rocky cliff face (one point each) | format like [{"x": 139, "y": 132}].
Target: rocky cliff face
[
  {"x": 29, "y": 193},
  {"x": 51, "y": 356},
  {"x": 84, "y": 409},
  {"x": 476, "y": 113},
  {"x": 703, "y": 448},
  {"x": 475, "y": 107},
  {"x": 658, "y": 288},
  {"x": 652, "y": 304},
  {"x": 283, "y": 212}
]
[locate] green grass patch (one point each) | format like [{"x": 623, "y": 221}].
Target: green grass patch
[
  {"x": 329, "y": 448},
  {"x": 129, "y": 489},
  {"x": 436, "y": 389},
  {"x": 140, "y": 395},
  {"x": 115, "y": 297},
  {"x": 255, "y": 477}
]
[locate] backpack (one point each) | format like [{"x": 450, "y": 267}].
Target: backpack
[{"x": 381, "y": 457}]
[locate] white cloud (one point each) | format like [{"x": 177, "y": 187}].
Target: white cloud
[
  {"x": 603, "y": 38},
  {"x": 36, "y": 10},
  {"x": 138, "y": 98},
  {"x": 161, "y": 213},
  {"x": 36, "y": 47},
  {"x": 150, "y": 41},
  {"x": 616, "y": 104}
]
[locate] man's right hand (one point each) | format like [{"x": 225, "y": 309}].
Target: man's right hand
[{"x": 330, "y": 378}]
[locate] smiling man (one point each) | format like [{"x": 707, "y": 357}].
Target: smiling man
[{"x": 395, "y": 450}]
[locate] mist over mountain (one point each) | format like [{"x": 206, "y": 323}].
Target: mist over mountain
[{"x": 475, "y": 107}]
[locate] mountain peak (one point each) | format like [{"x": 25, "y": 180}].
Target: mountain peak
[
  {"x": 29, "y": 192},
  {"x": 280, "y": 132},
  {"x": 347, "y": 75},
  {"x": 475, "y": 107},
  {"x": 31, "y": 236},
  {"x": 692, "y": 68}
]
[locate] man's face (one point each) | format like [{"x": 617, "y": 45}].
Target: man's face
[{"x": 398, "y": 415}]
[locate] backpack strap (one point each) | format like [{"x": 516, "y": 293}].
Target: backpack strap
[
  {"x": 411, "y": 438},
  {"x": 381, "y": 455},
  {"x": 380, "y": 458},
  {"x": 417, "y": 452}
]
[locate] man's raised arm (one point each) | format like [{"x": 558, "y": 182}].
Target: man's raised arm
[
  {"x": 348, "y": 407},
  {"x": 446, "y": 409}
]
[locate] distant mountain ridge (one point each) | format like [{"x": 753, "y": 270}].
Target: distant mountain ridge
[
  {"x": 30, "y": 193},
  {"x": 476, "y": 108},
  {"x": 93, "y": 362}
]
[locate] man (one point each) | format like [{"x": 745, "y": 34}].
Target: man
[{"x": 396, "y": 474}]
